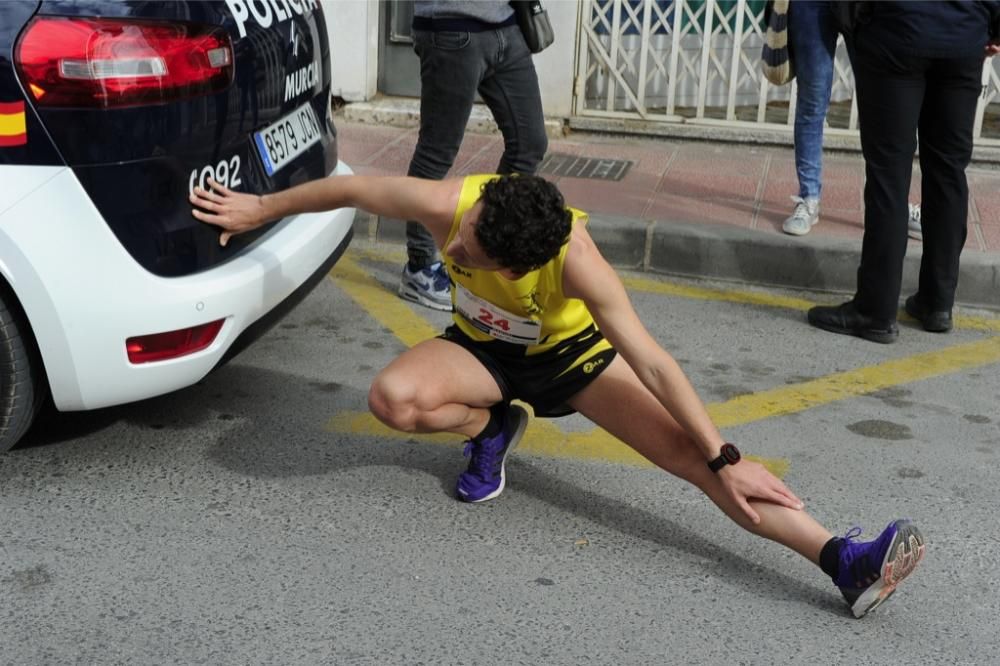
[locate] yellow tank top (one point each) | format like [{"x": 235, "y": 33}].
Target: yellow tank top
[{"x": 531, "y": 311}]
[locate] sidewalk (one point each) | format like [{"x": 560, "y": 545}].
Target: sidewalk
[{"x": 703, "y": 209}]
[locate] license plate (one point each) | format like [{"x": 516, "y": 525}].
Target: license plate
[{"x": 282, "y": 141}]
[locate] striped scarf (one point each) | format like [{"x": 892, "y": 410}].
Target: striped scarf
[{"x": 776, "y": 57}]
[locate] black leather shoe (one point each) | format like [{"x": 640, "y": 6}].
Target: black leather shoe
[
  {"x": 937, "y": 321},
  {"x": 846, "y": 319}
]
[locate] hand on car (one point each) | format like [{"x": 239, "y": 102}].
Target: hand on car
[
  {"x": 748, "y": 480},
  {"x": 235, "y": 212}
]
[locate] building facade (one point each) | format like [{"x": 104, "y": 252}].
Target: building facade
[{"x": 641, "y": 64}]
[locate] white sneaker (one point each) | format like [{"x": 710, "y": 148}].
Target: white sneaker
[
  {"x": 913, "y": 228},
  {"x": 429, "y": 286},
  {"x": 803, "y": 218}
]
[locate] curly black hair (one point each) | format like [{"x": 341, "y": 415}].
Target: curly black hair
[{"x": 524, "y": 222}]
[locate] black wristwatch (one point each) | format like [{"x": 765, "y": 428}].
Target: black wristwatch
[{"x": 730, "y": 455}]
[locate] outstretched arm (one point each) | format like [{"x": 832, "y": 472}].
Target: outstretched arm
[
  {"x": 429, "y": 202},
  {"x": 587, "y": 276}
]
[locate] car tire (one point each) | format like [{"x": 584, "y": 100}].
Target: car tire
[{"x": 22, "y": 385}]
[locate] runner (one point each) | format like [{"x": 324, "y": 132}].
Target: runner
[{"x": 540, "y": 316}]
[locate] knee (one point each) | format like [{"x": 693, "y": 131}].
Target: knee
[
  {"x": 393, "y": 403},
  {"x": 537, "y": 146},
  {"x": 432, "y": 160},
  {"x": 540, "y": 143},
  {"x": 526, "y": 153},
  {"x": 811, "y": 109},
  {"x": 812, "y": 101}
]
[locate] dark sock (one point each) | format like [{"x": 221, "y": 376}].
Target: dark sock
[
  {"x": 495, "y": 423},
  {"x": 416, "y": 268},
  {"x": 829, "y": 557}
]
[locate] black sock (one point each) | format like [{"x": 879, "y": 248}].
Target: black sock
[
  {"x": 829, "y": 557},
  {"x": 495, "y": 423}
]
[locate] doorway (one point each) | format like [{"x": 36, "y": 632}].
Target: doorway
[{"x": 398, "y": 65}]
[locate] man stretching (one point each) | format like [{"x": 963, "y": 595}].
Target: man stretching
[{"x": 540, "y": 316}]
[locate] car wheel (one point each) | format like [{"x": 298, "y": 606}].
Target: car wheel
[{"x": 22, "y": 386}]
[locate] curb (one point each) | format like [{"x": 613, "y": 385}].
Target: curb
[
  {"x": 405, "y": 112},
  {"x": 743, "y": 255},
  {"x": 740, "y": 255},
  {"x": 683, "y": 248},
  {"x": 984, "y": 155}
]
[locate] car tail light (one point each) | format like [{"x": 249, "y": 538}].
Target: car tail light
[
  {"x": 97, "y": 62},
  {"x": 172, "y": 344}
]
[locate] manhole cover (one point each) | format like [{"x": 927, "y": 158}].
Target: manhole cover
[{"x": 578, "y": 166}]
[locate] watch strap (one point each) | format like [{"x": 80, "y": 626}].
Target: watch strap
[
  {"x": 717, "y": 463},
  {"x": 729, "y": 455}
]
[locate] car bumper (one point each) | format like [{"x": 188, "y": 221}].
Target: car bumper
[{"x": 84, "y": 295}]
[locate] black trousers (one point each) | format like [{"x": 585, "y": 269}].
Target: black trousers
[
  {"x": 453, "y": 67},
  {"x": 900, "y": 97}
]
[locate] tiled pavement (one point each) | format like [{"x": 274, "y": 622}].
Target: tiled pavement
[{"x": 711, "y": 186}]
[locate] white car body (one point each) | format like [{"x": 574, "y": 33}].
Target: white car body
[{"x": 84, "y": 295}]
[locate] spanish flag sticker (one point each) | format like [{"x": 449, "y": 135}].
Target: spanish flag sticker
[{"x": 13, "y": 128}]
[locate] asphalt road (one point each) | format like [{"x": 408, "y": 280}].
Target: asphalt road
[{"x": 261, "y": 517}]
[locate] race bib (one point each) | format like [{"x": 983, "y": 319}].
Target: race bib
[{"x": 496, "y": 322}]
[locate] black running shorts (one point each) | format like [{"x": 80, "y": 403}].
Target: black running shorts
[{"x": 546, "y": 381}]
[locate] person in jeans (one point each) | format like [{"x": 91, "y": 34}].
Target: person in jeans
[
  {"x": 467, "y": 47},
  {"x": 540, "y": 316},
  {"x": 918, "y": 68},
  {"x": 812, "y": 35}
]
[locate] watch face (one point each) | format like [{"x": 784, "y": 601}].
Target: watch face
[{"x": 730, "y": 453}]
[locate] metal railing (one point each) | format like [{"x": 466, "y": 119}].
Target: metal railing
[{"x": 698, "y": 61}]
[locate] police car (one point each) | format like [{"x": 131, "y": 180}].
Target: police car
[{"x": 110, "y": 113}]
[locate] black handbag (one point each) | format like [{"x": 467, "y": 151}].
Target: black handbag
[{"x": 534, "y": 24}]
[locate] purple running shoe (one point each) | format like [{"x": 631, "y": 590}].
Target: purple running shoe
[
  {"x": 485, "y": 477},
  {"x": 871, "y": 570}
]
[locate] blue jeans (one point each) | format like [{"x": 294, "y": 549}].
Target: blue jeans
[
  {"x": 454, "y": 66},
  {"x": 813, "y": 36}
]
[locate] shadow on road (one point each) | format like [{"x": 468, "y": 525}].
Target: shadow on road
[{"x": 272, "y": 427}]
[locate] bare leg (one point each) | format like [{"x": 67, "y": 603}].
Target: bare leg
[
  {"x": 648, "y": 428},
  {"x": 437, "y": 386}
]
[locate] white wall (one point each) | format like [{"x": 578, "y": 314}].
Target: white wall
[
  {"x": 353, "y": 28},
  {"x": 555, "y": 64}
]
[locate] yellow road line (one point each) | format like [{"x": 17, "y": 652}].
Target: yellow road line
[
  {"x": 707, "y": 294},
  {"x": 547, "y": 439},
  {"x": 542, "y": 438},
  {"x": 984, "y": 324},
  {"x": 965, "y": 322},
  {"x": 390, "y": 255},
  {"x": 800, "y": 397},
  {"x": 382, "y": 304}
]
